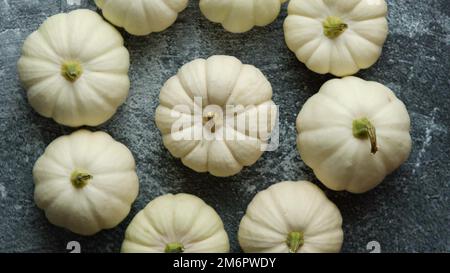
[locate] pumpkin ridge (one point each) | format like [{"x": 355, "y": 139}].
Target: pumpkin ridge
[
  {"x": 89, "y": 65},
  {"x": 144, "y": 231},
  {"x": 227, "y": 101},
  {"x": 46, "y": 37},
  {"x": 32, "y": 92},
  {"x": 350, "y": 114},
  {"x": 87, "y": 41},
  {"x": 343, "y": 146},
  {"x": 177, "y": 9},
  {"x": 127, "y": 13},
  {"x": 317, "y": 40},
  {"x": 111, "y": 194},
  {"x": 357, "y": 32},
  {"x": 95, "y": 90},
  {"x": 279, "y": 210},
  {"x": 145, "y": 10},
  {"x": 189, "y": 94},
  {"x": 187, "y": 243},
  {"x": 95, "y": 215},
  {"x": 351, "y": 54},
  {"x": 354, "y": 7},
  {"x": 231, "y": 152},
  {"x": 48, "y": 48}
]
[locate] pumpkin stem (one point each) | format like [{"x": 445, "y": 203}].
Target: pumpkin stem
[
  {"x": 174, "y": 248},
  {"x": 79, "y": 178},
  {"x": 363, "y": 128},
  {"x": 333, "y": 27},
  {"x": 211, "y": 118},
  {"x": 71, "y": 70},
  {"x": 294, "y": 241}
]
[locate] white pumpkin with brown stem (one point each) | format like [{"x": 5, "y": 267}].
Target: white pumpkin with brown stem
[
  {"x": 352, "y": 133},
  {"x": 216, "y": 115}
]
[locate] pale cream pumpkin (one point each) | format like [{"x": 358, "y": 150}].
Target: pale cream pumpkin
[
  {"x": 241, "y": 16},
  {"x": 196, "y": 125},
  {"x": 336, "y": 36},
  {"x": 75, "y": 69},
  {"x": 291, "y": 217},
  {"x": 174, "y": 224},
  {"x": 85, "y": 182},
  {"x": 352, "y": 133},
  {"x": 142, "y": 17}
]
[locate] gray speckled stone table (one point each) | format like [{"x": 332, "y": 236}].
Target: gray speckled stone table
[{"x": 408, "y": 212}]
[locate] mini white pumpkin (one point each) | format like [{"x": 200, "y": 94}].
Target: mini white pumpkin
[
  {"x": 336, "y": 36},
  {"x": 352, "y": 133},
  {"x": 240, "y": 16},
  {"x": 212, "y": 139},
  {"x": 75, "y": 69},
  {"x": 174, "y": 224},
  {"x": 85, "y": 182},
  {"x": 294, "y": 217},
  {"x": 142, "y": 17}
]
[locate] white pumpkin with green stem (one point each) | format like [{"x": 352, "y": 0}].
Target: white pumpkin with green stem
[
  {"x": 142, "y": 17},
  {"x": 174, "y": 224},
  {"x": 336, "y": 36},
  {"x": 216, "y": 115},
  {"x": 352, "y": 133},
  {"x": 291, "y": 217},
  {"x": 85, "y": 182},
  {"x": 240, "y": 16},
  {"x": 75, "y": 69}
]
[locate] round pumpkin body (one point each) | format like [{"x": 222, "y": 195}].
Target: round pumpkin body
[
  {"x": 240, "y": 16},
  {"x": 75, "y": 69},
  {"x": 216, "y": 115},
  {"x": 85, "y": 182},
  {"x": 291, "y": 217},
  {"x": 335, "y": 36},
  {"x": 352, "y": 133},
  {"x": 142, "y": 17},
  {"x": 174, "y": 224}
]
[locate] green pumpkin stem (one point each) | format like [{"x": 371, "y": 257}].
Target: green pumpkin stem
[
  {"x": 71, "y": 70},
  {"x": 333, "y": 27},
  {"x": 174, "y": 248},
  {"x": 363, "y": 128},
  {"x": 80, "y": 179},
  {"x": 294, "y": 241}
]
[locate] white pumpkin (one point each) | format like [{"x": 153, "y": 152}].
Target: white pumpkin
[
  {"x": 291, "y": 217},
  {"x": 352, "y": 133},
  {"x": 336, "y": 36},
  {"x": 240, "y": 16},
  {"x": 174, "y": 224},
  {"x": 85, "y": 182},
  {"x": 75, "y": 69},
  {"x": 228, "y": 125},
  {"x": 142, "y": 17}
]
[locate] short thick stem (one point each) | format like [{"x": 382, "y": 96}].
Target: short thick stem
[
  {"x": 71, "y": 70},
  {"x": 333, "y": 27},
  {"x": 212, "y": 120},
  {"x": 363, "y": 128},
  {"x": 80, "y": 178},
  {"x": 294, "y": 241},
  {"x": 174, "y": 248}
]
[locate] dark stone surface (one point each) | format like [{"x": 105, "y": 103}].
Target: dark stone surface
[{"x": 408, "y": 212}]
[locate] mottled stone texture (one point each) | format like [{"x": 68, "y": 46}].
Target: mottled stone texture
[{"x": 408, "y": 212}]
